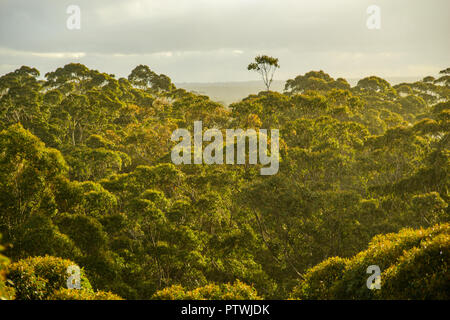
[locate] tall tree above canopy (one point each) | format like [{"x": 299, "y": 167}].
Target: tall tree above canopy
[{"x": 266, "y": 67}]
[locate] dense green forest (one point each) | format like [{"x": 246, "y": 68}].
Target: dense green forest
[{"x": 86, "y": 178}]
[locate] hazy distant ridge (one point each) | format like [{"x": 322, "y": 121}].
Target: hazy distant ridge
[{"x": 229, "y": 92}]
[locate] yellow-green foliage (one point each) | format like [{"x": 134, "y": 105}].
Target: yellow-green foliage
[
  {"x": 235, "y": 291},
  {"x": 175, "y": 292},
  {"x": 82, "y": 294},
  {"x": 6, "y": 293},
  {"x": 86, "y": 174},
  {"x": 414, "y": 265},
  {"x": 319, "y": 279},
  {"x": 421, "y": 273},
  {"x": 39, "y": 277}
]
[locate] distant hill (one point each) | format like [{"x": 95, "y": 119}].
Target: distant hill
[{"x": 229, "y": 92}]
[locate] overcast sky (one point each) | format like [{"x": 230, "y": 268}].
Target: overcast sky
[{"x": 214, "y": 40}]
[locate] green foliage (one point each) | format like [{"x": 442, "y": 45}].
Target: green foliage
[
  {"x": 227, "y": 291},
  {"x": 6, "y": 292},
  {"x": 143, "y": 77},
  {"x": 314, "y": 80},
  {"x": 421, "y": 272},
  {"x": 28, "y": 172},
  {"x": 39, "y": 236},
  {"x": 86, "y": 175},
  {"x": 38, "y": 278},
  {"x": 318, "y": 281},
  {"x": 414, "y": 265},
  {"x": 82, "y": 294}
]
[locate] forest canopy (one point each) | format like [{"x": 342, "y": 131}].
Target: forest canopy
[{"x": 86, "y": 178}]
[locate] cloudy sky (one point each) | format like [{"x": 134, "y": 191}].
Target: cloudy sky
[{"x": 214, "y": 40}]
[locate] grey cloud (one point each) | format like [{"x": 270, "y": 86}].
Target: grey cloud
[{"x": 326, "y": 33}]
